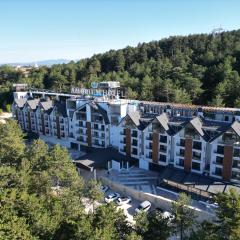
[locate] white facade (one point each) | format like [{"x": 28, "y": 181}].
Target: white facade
[{"x": 148, "y": 136}]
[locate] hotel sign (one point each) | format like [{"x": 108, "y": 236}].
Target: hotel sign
[{"x": 99, "y": 92}]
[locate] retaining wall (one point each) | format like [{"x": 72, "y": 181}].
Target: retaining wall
[{"x": 157, "y": 201}]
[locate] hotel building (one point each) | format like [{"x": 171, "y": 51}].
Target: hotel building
[{"x": 199, "y": 139}]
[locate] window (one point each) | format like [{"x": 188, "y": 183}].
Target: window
[
  {"x": 181, "y": 162},
  {"x": 226, "y": 118},
  {"x": 218, "y": 171},
  {"x": 163, "y": 148},
  {"x": 196, "y": 155},
  {"x": 163, "y": 139},
  {"x": 134, "y": 142},
  {"x": 182, "y": 142},
  {"x": 236, "y": 164},
  {"x": 149, "y": 136},
  {"x": 182, "y": 152},
  {"x": 134, "y": 133},
  {"x": 219, "y": 160},
  {"x": 162, "y": 158},
  {"x": 236, "y": 152},
  {"x": 134, "y": 151},
  {"x": 220, "y": 149},
  {"x": 196, "y": 166},
  {"x": 197, "y": 145},
  {"x": 236, "y": 176}
]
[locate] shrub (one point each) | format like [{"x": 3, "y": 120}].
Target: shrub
[{"x": 8, "y": 107}]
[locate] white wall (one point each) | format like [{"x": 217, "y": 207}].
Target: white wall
[{"x": 114, "y": 136}]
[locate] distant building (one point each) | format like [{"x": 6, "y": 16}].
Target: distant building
[{"x": 203, "y": 140}]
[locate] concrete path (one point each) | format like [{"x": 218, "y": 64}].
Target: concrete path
[{"x": 136, "y": 178}]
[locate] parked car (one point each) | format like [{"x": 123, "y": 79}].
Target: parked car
[
  {"x": 112, "y": 197},
  {"x": 104, "y": 189},
  {"x": 167, "y": 214},
  {"x": 144, "y": 206},
  {"x": 123, "y": 200}
]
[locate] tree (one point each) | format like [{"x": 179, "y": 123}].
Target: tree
[
  {"x": 93, "y": 192},
  {"x": 228, "y": 214},
  {"x": 181, "y": 96},
  {"x": 119, "y": 61},
  {"x": 205, "y": 231},
  {"x": 152, "y": 225},
  {"x": 58, "y": 81},
  {"x": 217, "y": 101},
  {"x": 237, "y": 103},
  {"x": 11, "y": 144},
  {"x": 146, "y": 88},
  {"x": 183, "y": 216},
  {"x": 110, "y": 223},
  {"x": 13, "y": 227}
]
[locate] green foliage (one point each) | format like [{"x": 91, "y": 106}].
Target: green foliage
[
  {"x": 93, "y": 192},
  {"x": 152, "y": 225},
  {"x": 8, "y": 107},
  {"x": 227, "y": 226},
  {"x": 41, "y": 195},
  {"x": 11, "y": 144},
  {"x": 1, "y": 111},
  {"x": 183, "y": 216},
  {"x": 228, "y": 215},
  {"x": 198, "y": 69}
]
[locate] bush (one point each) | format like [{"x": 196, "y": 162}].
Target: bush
[
  {"x": 1, "y": 111},
  {"x": 8, "y": 107}
]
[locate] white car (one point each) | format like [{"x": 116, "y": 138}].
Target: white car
[
  {"x": 144, "y": 206},
  {"x": 104, "y": 189},
  {"x": 112, "y": 197},
  {"x": 123, "y": 200}
]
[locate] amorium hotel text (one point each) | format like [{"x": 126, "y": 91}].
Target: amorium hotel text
[{"x": 204, "y": 140}]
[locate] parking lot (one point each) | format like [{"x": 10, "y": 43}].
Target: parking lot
[{"x": 128, "y": 208}]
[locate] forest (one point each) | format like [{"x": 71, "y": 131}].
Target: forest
[
  {"x": 42, "y": 197},
  {"x": 196, "y": 69}
]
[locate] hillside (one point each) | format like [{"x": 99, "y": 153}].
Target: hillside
[{"x": 200, "y": 69}]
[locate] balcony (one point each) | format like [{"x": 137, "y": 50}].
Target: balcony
[
  {"x": 134, "y": 153},
  {"x": 197, "y": 145},
  {"x": 180, "y": 154},
  {"x": 81, "y": 132},
  {"x": 163, "y": 139},
  {"x": 71, "y": 135},
  {"x": 149, "y": 146},
  {"x": 80, "y": 124},
  {"x": 134, "y": 142},
  {"x": 181, "y": 143},
  {"x": 122, "y": 132},
  {"x": 122, "y": 150},
  {"x": 99, "y": 144},
  {"x": 219, "y": 151},
  {"x": 149, "y": 156},
  {"x": 134, "y": 134},
  {"x": 81, "y": 139},
  {"x": 149, "y": 138}
]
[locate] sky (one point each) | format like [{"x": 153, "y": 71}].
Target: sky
[{"x": 34, "y": 30}]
